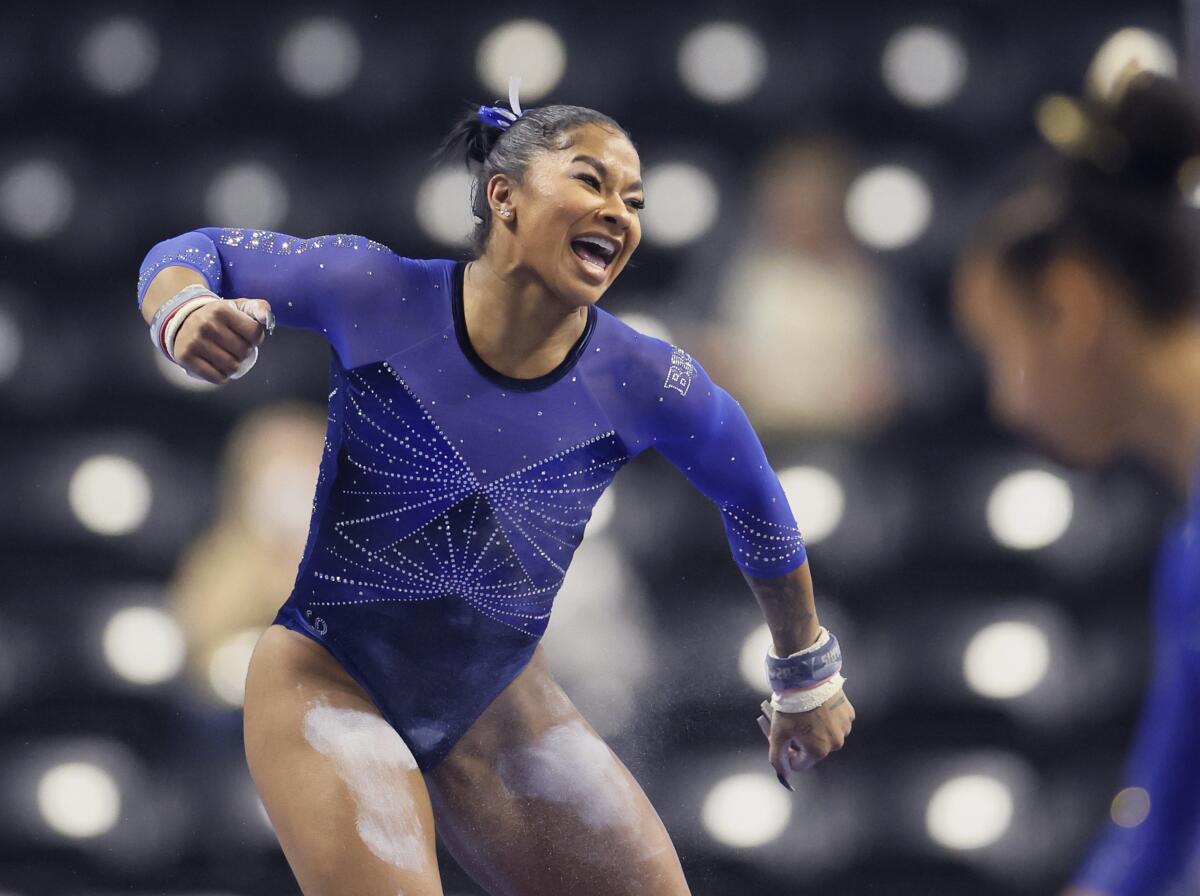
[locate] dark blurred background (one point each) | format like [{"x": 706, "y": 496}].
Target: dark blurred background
[{"x": 809, "y": 171}]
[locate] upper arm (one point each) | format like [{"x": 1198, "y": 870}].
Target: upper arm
[
  {"x": 701, "y": 429},
  {"x": 343, "y": 286}
]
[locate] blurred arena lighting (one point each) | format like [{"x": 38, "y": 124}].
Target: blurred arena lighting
[
  {"x": 888, "y": 207},
  {"x": 746, "y": 810},
  {"x": 36, "y": 198},
  {"x": 600, "y": 641},
  {"x": 320, "y": 57},
  {"x": 228, "y": 665},
  {"x": 1144, "y": 50},
  {"x": 119, "y": 55},
  {"x": 969, "y": 812},
  {"x": 1006, "y": 659},
  {"x": 10, "y": 344},
  {"x": 750, "y": 658},
  {"x": 177, "y": 376},
  {"x": 444, "y": 206},
  {"x": 924, "y": 66},
  {"x": 681, "y": 203},
  {"x": 526, "y": 48},
  {"x": 143, "y": 645},
  {"x": 816, "y": 498},
  {"x": 722, "y": 62},
  {"x": 1029, "y": 509},
  {"x": 79, "y": 799},
  {"x": 1130, "y": 807},
  {"x": 647, "y": 324},
  {"x": 247, "y": 194},
  {"x": 602, "y": 513},
  {"x": 280, "y": 501},
  {"x": 110, "y": 494}
]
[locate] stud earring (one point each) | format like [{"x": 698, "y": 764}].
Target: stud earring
[{"x": 504, "y": 212}]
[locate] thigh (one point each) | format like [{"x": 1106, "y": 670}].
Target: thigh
[
  {"x": 532, "y": 802},
  {"x": 340, "y": 786}
]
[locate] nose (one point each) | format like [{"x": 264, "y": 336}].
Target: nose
[{"x": 616, "y": 212}]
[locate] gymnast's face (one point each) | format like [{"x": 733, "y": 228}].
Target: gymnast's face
[
  {"x": 574, "y": 221},
  {"x": 1056, "y": 370}
]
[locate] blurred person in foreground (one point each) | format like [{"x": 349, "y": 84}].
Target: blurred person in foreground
[
  {"x": 477, "y": 412},
  {"x": 231, "y": 578},
  {"x": 799, "y": 301},
  {"x": 1080, "y": 289}
]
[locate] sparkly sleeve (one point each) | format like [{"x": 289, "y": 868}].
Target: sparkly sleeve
[
  {"x": 343, "y": 286},
  {"x": 704, "y": 432},
  {"x": 1147, "y": 845}
]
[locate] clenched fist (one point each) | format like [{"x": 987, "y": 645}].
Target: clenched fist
[{"x": 216, "y": 339}]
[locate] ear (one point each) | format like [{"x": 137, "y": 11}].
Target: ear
[
  {"x": 1078, "y": 300},
  {"x": 500, "y": 192}
]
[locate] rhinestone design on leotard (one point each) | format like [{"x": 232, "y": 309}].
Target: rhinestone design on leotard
[{"x": 411, "y": 521}]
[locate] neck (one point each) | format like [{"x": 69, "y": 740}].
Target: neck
[
  {"x": 515, "y": 323},
  {"x": 1164, "y": 425}
]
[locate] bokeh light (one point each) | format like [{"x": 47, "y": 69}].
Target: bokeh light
[
  {"x": 751, "y": 657},
  {"x": 444, "y": 206},
  {"x": 1006, "y": 659},
  {"x": 320, "y": 57},
  {"x": 110, "y": 494},
  {"x": 79, "y": 799},
  {"x": 746, "y": 810},
  {"x": 681, "y": 203},
  {"x": 1130, "y": 807},
  {"x": 36, "y": 198},
  {"x": 816, "y": 498},
  {"x": 969, "y": 812},
  {"x": 1127, "y": 51},
  {"x": 228, "y": 665},
  {"x": 119, "y": 55},
  {"x": 888, "y": 207},
  {"x": 11, "y": 344},
  {"x": 722, "y": 62},
  {"x": 247, "y": 194},
  {"x": 924, "y": 66},
  {"x": 143, "y": 645},
  {"x": 1029, "y": 509},
  {"x": 524, "y": 48}
]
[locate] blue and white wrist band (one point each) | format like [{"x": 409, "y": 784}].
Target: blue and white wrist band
[{"x": 807, "y": 667}]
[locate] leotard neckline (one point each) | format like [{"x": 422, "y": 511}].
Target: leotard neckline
[{"x": 521, "y": 384}]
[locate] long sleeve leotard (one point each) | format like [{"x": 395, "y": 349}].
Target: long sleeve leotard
[
  {"x": 451, "y": 497},
  {"x": 1147, "y": 856}
]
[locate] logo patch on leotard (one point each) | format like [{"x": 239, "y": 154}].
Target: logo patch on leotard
[{"x": 679, "y": 377}]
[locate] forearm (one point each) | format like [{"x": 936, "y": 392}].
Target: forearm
[
  {"x": 165, "y": 284},
  {"x": 789, "y": 608}
]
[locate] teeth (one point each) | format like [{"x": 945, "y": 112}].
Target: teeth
[{"x": 606, "y": 245}]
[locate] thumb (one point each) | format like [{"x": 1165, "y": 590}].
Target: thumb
[{"x": 260, "y": 310}]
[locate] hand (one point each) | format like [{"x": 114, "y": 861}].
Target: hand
[
  {"x": 216, "y": 338},
  {"x": 799, "y": 740}
]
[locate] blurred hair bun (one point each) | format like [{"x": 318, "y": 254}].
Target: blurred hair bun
[{"x": 1159, "y": 121}]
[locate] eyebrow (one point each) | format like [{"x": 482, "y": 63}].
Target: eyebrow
[{"x": 599, "y": 166}]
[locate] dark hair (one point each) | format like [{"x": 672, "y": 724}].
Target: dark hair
[
  {"x": 1112, "y": 191},
  {"x": 491, "y": 151}
]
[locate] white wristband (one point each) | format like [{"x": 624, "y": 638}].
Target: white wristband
[{"x": 807, "y": 701}]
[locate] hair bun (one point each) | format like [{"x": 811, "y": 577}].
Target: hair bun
[{"x": 1158, "y": 120}]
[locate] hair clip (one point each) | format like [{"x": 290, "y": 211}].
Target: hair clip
[{"x": 498, "y": 116}]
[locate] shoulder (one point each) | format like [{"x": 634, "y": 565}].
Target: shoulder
[{"x": 662, "y": 379}]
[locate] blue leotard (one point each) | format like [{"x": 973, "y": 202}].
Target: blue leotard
[
  {"x": 1151, "y": 857},
  {"x": 450, "y": 497}
]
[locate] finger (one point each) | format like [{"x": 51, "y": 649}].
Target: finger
[
  {"x": 216, "y": 356},
  {"x": 775, "y": 755},
  {"x": 229, "y": 328},
  {"x": 202, "y": 368},
  {"x": 255, "y": 321}
]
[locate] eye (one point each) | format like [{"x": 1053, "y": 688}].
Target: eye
[
  {"x": 591, "y": 179},
  {"x": 639, "y": 204}
]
